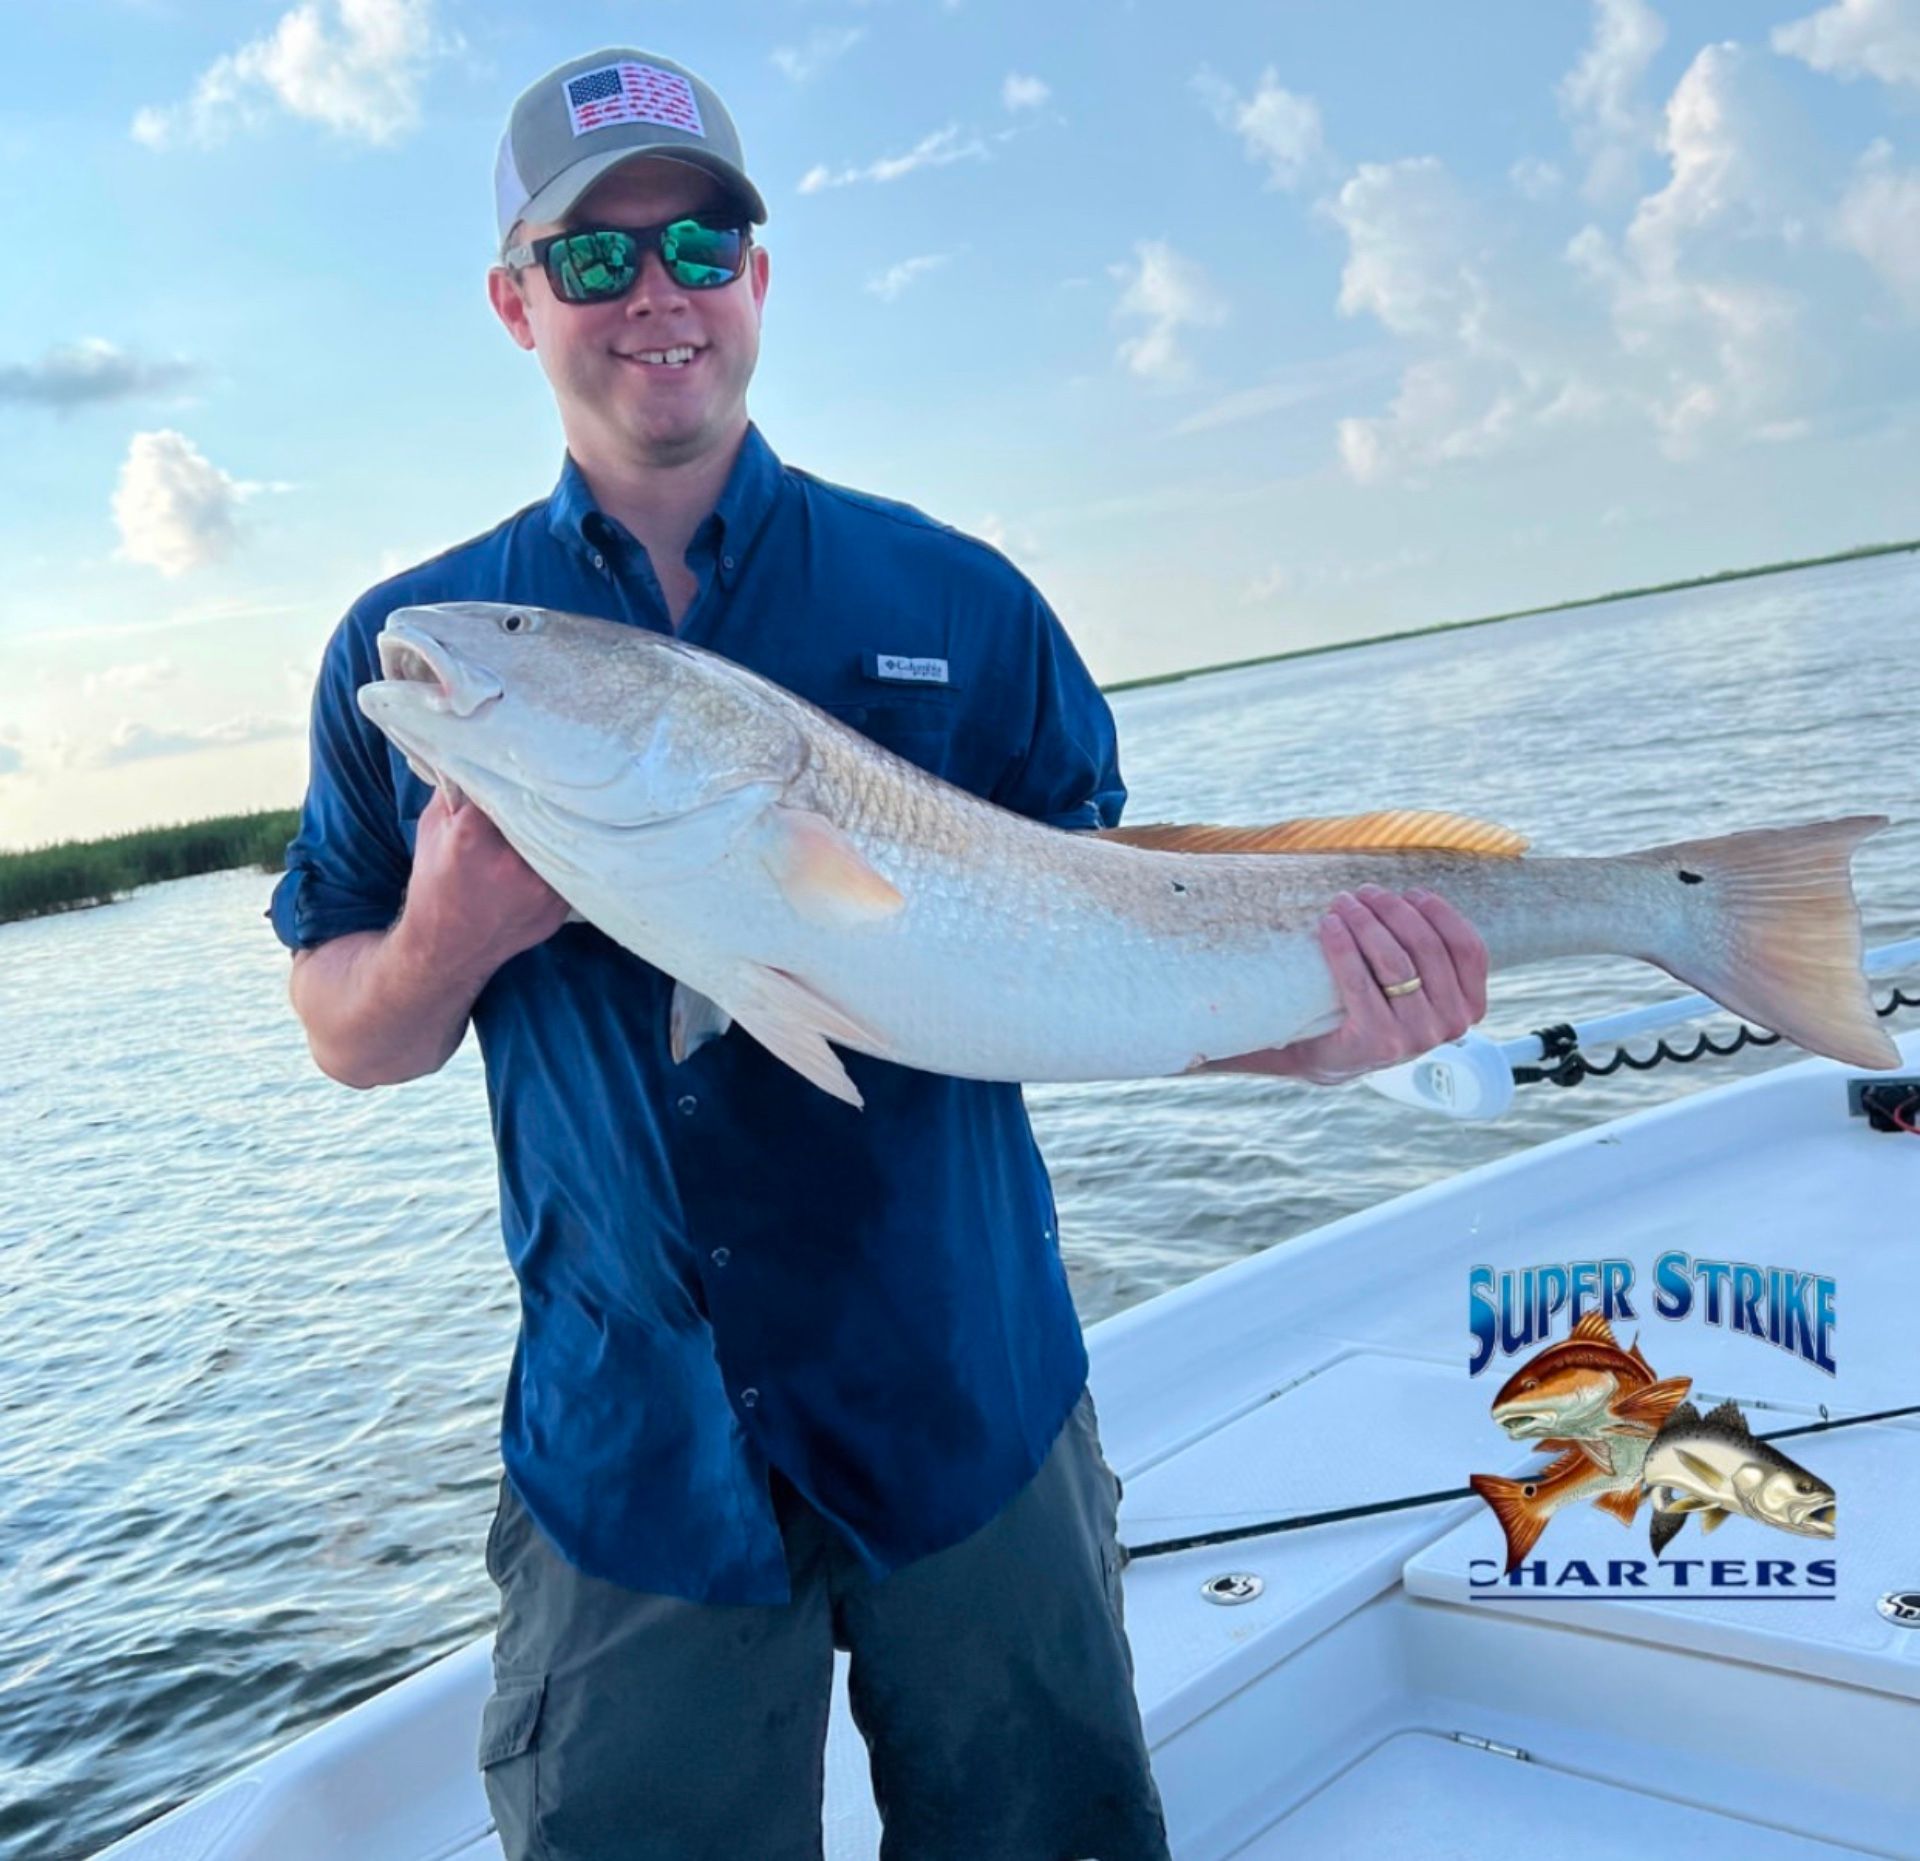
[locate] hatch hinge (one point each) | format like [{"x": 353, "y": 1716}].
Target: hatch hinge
[{"x": 1492, "y": 1745}]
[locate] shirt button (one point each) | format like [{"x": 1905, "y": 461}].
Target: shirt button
[
  {"x": 726, "y": 562},
  {"x": 721, "y": 1255},
  {"x": 748, "y": 1397},
  {"x": 599, "y": 561},
  {"x": 689, "y": 1105}
]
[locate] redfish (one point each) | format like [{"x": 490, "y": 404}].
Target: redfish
[{"x": 800, "y": 880}]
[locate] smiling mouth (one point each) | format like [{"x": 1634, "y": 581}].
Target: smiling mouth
[{"x": 670, "y": 361}]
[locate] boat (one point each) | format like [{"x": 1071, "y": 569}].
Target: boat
[{"x": 1330, "y": 1656}]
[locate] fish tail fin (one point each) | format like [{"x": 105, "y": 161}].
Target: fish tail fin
[
  {"x": 1520, "y": 1519},
  {"x": 1771, "y": 931}
]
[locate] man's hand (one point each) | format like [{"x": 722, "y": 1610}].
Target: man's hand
[
  {"x": 383, "y": 1006},
  {"x": 473, "y": 902},
  {"x": 1373, "y": 939}
]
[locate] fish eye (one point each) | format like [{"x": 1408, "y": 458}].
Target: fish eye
[
  {"x": 1532, "y": 1382},
  {"x": 518, "y": 622}
]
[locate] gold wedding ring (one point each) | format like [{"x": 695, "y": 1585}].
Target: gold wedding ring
[{"x": 1401, "y": 988}]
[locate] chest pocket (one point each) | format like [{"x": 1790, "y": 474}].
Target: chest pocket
[{"x": 921, "y": 726}]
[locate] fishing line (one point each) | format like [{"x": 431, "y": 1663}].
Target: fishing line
[{"x": 1378, "y": 1507}]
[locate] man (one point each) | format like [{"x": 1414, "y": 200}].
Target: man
[{"x": 789, "y": 1376}]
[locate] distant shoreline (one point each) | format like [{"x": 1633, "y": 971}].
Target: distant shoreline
[
  {"x": 1522, "y": 613},
  {"x": 70, "y": 875}
]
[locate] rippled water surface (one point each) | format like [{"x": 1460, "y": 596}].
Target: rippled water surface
[{"x": 254, "y": 1327}]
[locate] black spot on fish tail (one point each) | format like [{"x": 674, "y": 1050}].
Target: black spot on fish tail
[{"x": 1689, "y": 878}]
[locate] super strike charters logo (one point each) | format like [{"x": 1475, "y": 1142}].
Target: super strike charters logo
[{"x": 1622, "y": 1435}]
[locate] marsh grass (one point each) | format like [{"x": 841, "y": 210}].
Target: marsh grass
[{"x": 74, "y": 873}]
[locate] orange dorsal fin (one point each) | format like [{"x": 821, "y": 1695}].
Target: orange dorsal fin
[
  {"x": 1392, "y": 830},
  {"x": 1593, "y": 1329},
  {"x": 1648, "y": 1407}
]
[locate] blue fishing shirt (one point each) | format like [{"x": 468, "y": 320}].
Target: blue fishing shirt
[{"x": 721, "y": 1267}]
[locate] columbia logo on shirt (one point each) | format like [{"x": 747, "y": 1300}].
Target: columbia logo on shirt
[{"x": 903, "y": 669}]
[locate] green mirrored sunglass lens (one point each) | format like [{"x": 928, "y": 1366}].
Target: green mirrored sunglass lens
[
  {"x": 702, "y": 255},
  {"x": 589, "y": 265}
]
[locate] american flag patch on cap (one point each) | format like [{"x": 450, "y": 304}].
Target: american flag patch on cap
[{"x": 632, "y": 93}]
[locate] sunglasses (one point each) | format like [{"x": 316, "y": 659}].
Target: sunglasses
[{"x": 599, "y": 264}]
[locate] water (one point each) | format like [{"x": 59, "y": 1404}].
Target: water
[{"x": 255, "y": 1326}]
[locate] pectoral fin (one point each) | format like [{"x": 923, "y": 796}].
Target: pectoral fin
[
  {"x": 1711, "y": 1521},
  {"x": 1599, "y": 1450},
  {"x": 692, "y": 1021},
  {"x": 1704, "y": 1471},
  {"x": 821, "y": 873},
  {"x": 794, "y": 1022}
]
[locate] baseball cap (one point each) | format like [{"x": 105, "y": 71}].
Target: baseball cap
[{"x": 589, "y": 115}]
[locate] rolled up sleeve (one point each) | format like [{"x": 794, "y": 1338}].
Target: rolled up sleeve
[{"x": 347, "y": 866}]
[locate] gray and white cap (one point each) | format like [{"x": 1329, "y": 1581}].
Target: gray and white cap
[{"x": 593, "y": 113}]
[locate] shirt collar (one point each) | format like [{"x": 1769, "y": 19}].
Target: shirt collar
[{"x": 579, "y": 523}]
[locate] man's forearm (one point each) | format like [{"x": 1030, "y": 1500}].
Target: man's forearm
[{"x": 378, "y": 1008}]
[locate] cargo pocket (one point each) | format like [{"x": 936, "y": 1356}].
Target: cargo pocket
[{"x": 509, "y": 1760}]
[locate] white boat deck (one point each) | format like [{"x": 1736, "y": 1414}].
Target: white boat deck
[{"x": 1359, "y": 1703}]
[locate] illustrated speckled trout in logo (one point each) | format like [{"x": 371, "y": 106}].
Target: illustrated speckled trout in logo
[{"x": 1622, "y": 1435}]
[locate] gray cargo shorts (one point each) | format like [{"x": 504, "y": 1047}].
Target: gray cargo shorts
[{"x": 992, "y": 1682}]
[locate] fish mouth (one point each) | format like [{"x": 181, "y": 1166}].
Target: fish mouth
[
  {"x": 410, "y": 656},
  {"x": 1522, "y": 1422},
  {"x": 1818, "y": 1522}
]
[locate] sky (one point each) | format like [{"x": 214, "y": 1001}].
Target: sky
[{"x": 1240, "y": 326}]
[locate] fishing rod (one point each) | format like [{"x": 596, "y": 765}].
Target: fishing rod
[{"x": 1378, "y": 1507}]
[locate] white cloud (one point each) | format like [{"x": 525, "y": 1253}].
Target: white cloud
[
  {"x": 1411, "y": 257},
  {"x": 86, "y": 372},
  {"x": 1275, "y": 581},
  {"x": 1710, "y": 313},
  {"x": 1277, "y": 128},
  {"x": 1023, "y": 93},
  {"x": 1010, "y": 539},
  {"x": 175, "y": 509},
  {"x": 1168, "y": 293},
  {"x": 1612, "y": 123},
  {"x": 1879, "y": 218},
  {"x": 1873, "y": 38},
  {"x": 142, "y": 675},
  {"x": 1344, "y": 573},
  {"x": 933, "y": 151},
  {"x": 354, "y": 66},
  {"x": 11, "y": 760},
  {"x": 1694, "y": 296},
  {"x": 1490, "y": 367},
  {"x": 132, "y": 742},
  {"x": 890, "y": 283},
  {"x": 1535, "y": 179},
  {"x": 823, "y": 46},
  {"x": 1309, "y": 381}
]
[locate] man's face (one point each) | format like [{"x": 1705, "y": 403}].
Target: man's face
[{"x": 611, "y": 403}]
